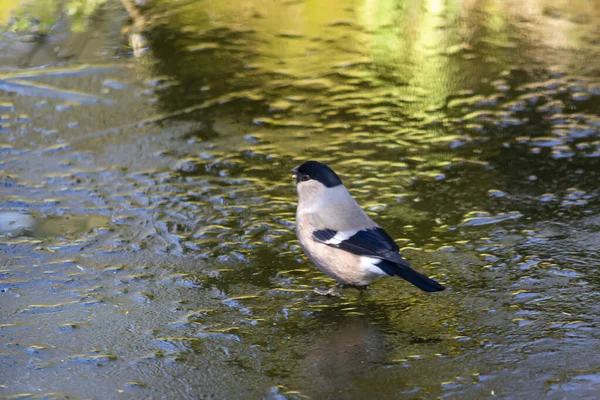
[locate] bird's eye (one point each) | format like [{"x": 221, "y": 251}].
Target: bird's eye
[{"x": 304, "y": 177}]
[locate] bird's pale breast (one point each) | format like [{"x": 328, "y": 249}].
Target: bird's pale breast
[{"x": 340, "y": 265}]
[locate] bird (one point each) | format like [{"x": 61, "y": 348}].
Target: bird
[{"x": 341, "y": 239}]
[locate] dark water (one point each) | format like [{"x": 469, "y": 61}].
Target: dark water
[{"x": 147, "y": 205}]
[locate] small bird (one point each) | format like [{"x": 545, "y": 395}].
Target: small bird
[{"x": 340, "y": 238}]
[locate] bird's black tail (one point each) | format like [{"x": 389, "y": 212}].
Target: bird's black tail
[{"x": 416, "y": 278}]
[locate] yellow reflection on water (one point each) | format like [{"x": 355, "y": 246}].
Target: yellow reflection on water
[
  {"x": 44, "y": 13},
  {"x": 6, "y": 9}
]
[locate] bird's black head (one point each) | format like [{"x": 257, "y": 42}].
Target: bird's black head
[{"x": 314, "y": 170}]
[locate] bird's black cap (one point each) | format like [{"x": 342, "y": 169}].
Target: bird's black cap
[{"x": 318, "y": 172}]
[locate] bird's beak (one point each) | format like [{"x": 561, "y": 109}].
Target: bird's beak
[{"x": 295, "y": 174}]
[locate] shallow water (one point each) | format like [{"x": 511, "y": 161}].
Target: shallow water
[{"x": 147, "y": 205}]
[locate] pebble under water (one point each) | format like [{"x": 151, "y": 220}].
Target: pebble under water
[{"x": 147, "y": 243}]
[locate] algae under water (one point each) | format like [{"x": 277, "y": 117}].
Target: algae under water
[{"x": 147, "y": 206}]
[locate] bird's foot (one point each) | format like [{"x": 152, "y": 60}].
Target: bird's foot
[{"x": 333, "y": 291}]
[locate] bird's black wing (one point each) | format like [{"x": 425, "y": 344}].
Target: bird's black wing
[{"x": 374, "y": 242}]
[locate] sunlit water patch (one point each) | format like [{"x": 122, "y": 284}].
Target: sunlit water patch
[{"x": 147, "y": 207}]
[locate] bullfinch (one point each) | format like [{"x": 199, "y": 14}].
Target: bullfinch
[{"x": 341, "y": 239}]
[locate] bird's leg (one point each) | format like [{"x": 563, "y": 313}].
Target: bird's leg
[
  {"x": 361, "y": 290},
  {"x": 333, "y": 291}
]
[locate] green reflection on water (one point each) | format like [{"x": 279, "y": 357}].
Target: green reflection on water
[{"x": 463, "y": 127}]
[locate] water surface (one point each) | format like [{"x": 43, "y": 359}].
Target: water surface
[{"x": 147, "y": 205}]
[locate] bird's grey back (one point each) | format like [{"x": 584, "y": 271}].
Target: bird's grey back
[{"x": 331, "y": 208}]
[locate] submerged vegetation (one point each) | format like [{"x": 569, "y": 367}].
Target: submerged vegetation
[
  {"x": 147, "y": 244},
  {"x": 39, "y": 16}
]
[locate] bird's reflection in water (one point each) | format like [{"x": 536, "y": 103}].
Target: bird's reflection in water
[{"x": 341, "y": 352}]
